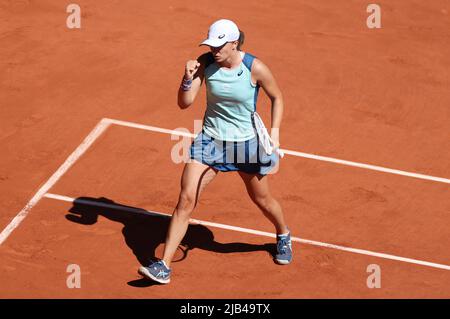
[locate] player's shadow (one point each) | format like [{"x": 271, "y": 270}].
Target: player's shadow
[{"x": 144, "y": 231}]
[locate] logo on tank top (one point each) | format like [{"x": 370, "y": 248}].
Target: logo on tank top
[{"x": 240, "y": 72}]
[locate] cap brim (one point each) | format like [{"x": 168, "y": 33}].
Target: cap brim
[{"x": 214, "y": 42}]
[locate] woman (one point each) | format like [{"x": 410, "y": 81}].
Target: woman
[{"x": 228, "y": 141}]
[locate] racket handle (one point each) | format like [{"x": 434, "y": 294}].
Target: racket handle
[{"x": 280, "y": 152}]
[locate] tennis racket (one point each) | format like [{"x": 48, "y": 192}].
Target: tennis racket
[{"x": 264, "y": 136}]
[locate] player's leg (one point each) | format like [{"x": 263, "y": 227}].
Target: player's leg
[
  {"x": 259, "y": 191},
  {"x": 194, "y": 179}
]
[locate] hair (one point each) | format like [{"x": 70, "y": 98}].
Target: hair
[{"x": 241, "y": 40}]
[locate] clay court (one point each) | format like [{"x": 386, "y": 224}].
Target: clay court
[{"x": 88, "y": 121}]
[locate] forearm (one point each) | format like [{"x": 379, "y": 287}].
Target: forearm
[
  {"x": 185, "y": 96},
  {"x": 277, "y": 115},
  {"x": 189, "y": 84}
]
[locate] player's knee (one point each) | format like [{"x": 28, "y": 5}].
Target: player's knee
[
  {"x": 186, "y": 204},
  {"x": 263, "y": 202}
]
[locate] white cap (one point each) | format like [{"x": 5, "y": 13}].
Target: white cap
[{"x": 221, "y": 32}]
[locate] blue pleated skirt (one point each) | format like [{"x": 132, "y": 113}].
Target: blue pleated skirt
[{"x": 246, "y": 156}]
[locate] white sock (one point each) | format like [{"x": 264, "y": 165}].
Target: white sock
[{"x": 281, "y": 235}]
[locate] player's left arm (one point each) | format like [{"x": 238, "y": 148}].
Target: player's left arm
[{"x": 264, "y": 77}]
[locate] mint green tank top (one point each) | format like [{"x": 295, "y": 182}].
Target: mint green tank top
[{"x": 231, "y": 99}]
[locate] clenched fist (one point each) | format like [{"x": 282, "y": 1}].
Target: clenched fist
[{"x": 191, "y": 68}]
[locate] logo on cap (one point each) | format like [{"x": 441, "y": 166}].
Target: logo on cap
[{"x": 221, "y": 36}]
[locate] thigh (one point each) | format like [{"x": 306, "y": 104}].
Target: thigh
[{"x": 196, "y": 176}]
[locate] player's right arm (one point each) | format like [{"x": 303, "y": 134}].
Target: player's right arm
[{"x": 194, "y": 70}]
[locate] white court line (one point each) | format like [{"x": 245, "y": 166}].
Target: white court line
[
  {"x": 149, "y": 128},
  {"x": 295, "y": 153},
  {"x": 368, "y": 166},
  {"x": 252, "y": 231},
  {"x": 79, "y": 151}
]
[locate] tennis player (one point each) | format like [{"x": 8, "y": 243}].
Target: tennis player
[{"x": 228, "y": 141}]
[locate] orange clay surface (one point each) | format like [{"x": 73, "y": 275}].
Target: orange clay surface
[{"x": 375, "y": 96}]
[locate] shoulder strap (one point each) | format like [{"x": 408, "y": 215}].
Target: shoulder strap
[{"x": 248, "y": 60}]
